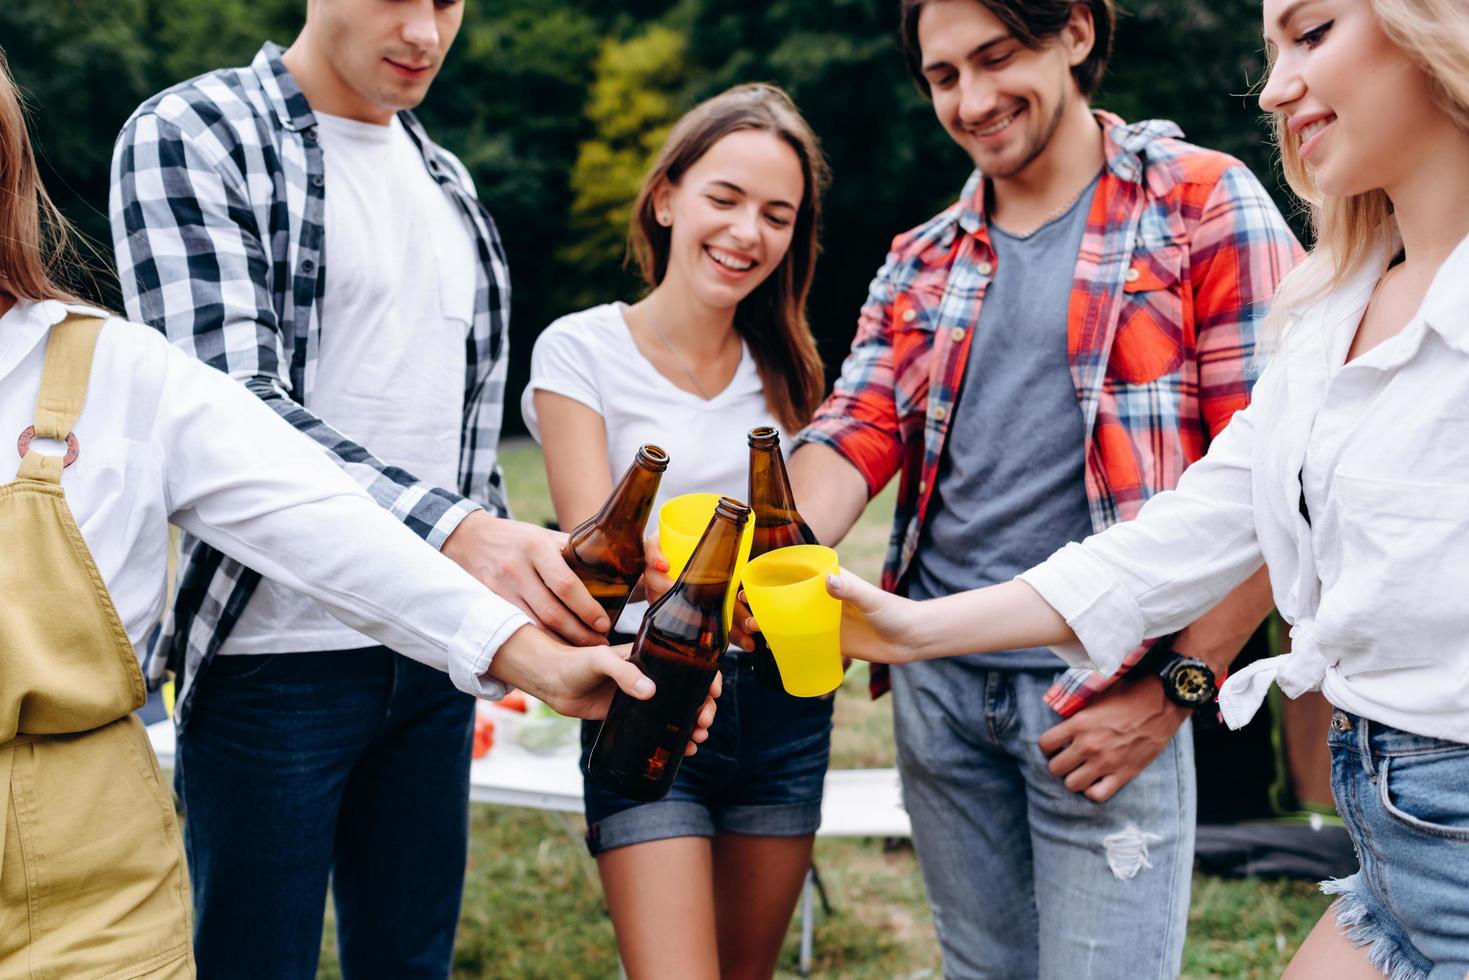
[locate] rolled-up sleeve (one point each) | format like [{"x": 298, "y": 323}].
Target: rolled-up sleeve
[{"x": 859, "y": 419}]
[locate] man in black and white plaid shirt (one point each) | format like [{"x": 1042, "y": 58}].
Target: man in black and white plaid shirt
[{"x": 374, "y": 319}]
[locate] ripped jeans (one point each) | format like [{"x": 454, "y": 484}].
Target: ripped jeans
[{"x": 1025, "y": 878}]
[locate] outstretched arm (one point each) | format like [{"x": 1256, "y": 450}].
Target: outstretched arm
[
  {"x": 194, "y": 264},
  {"x": 886, "y": 628},
  {"x": 283, "y": 508},
  {"x": 1094, "y": 601}
]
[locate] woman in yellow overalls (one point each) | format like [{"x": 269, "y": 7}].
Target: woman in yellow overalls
[
  {"x": 107, "y": 867},
  {"x": 119, "y": 435}
]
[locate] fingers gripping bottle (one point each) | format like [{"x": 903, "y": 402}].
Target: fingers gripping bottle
[
  {"x": 777, "y": 524},
  {"x": 605, "y": 551},
  {"x": 641, "y": 744}
]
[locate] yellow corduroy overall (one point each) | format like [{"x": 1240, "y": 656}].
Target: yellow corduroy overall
[{"x": 92, "y": 875}]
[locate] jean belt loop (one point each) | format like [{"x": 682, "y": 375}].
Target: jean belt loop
[{"x": 1364, "y": 746}]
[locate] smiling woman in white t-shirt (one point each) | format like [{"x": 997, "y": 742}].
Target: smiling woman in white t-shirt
[{"x": 724, "y": 231}]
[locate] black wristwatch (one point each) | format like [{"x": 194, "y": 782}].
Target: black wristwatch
[{"x": 1187, "y": 681}]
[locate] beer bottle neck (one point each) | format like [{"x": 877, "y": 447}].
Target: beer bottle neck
[
  {"x": 770, "y": 488},
  {"x": 706, "y": 578},
  {"x": 632, "y": 499}
]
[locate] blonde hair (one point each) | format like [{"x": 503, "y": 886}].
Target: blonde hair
[
  {"x": 34, "y": 237},
  {"x": 1350, "y": 230}
]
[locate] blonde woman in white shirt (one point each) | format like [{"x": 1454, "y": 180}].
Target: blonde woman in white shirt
[
  {"x": 1348, "y": 476},
  {"x": 725, "y": 231},
  {"x": 120, "y": 435}
]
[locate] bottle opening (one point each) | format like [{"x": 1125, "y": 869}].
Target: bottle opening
[
  {"x": 736, "y": 510},
  {"x": 764, "y": 437},
  {"x": 653, "y": 457}
]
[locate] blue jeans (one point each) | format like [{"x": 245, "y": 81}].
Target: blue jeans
[
  {"x": 1026, "y": 878},
  {"x": 1405, "y": 801},
  {"x": 297, "y": 767}
]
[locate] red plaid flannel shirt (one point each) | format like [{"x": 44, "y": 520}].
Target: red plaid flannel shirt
[{"x": 1182, "y": 251}]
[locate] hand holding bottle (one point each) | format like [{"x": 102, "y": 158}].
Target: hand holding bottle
[{"x": 580, "y": 681}]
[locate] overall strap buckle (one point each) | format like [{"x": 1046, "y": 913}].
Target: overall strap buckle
[{"x": 64, "y": 381}]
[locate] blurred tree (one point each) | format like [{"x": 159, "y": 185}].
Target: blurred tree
[
  {"x": 1201, "y": 64},
  {"x": 557, "y": 106},
  {"x": 85, "y": 65},
  {"x": 635, "y": 99}
]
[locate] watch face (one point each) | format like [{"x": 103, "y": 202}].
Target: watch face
[{"x": 1192, "y": 683}]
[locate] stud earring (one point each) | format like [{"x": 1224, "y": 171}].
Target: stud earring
[{"x": 665, "y": 219}]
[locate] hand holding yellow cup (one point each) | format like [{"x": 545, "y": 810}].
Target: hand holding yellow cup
[
  {"x": 682, "y": 521},
  {"x": 801, "y": 621}
]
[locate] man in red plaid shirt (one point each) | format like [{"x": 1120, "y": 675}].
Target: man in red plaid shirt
[{"x": 1081, "y": 322}]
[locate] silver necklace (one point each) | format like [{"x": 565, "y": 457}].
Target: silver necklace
[
  {"x": 1060, "y": 209},
  {"x": 677, "y": 357}
]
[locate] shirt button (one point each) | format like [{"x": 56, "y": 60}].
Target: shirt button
[
  {"x": 940, "y": 413},
  {"x": 910, "y": 315},
  {"x": 317, "y": 180},
  {"x": 957, "y": 333},
  {"x": 308, "y": 266},
  {"x": 985, "y": 268},
  {"x": 1133, "y": 275}
]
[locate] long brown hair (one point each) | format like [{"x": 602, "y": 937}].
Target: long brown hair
[
  {"x": 772, "y": 319},
  {"x": 34, "y": 238}
]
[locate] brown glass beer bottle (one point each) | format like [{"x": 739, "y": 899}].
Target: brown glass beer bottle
[
  {"x": 641, "y": 744},
  {"x": 606, "y": 550},
  {"x": 777, "y": 524}
]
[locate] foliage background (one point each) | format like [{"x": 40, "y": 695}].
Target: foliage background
[{"x": 556, "y": 106}]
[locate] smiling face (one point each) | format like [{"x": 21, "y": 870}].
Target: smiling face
[
  {"x": 1355, "y": 107},
  {"x": 731, "y": 216},
  {"x": 384, "y": 54},
  {"x": 999, "y": 100}
]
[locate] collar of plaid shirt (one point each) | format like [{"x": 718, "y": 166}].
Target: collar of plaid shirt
[{"x": 1182, "y": 249}]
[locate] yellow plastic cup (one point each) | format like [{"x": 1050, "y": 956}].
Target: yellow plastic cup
[
  {"x": 682, "y": 521},
  {"x": 786, "y": 589}
]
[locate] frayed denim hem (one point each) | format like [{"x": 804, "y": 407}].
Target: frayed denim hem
[{"x": 1359, "y": 923}]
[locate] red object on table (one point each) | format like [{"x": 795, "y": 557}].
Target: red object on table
[{"x": 484, "y": 736}]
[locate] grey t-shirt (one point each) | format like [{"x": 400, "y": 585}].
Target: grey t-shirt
[{"x": 1010, "y": 487}]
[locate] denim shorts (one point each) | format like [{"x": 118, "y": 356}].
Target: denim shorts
[
  {"x": 761, "y": 772},
  {"x": 1405, "y": 801}
]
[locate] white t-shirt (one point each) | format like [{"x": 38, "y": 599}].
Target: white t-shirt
[
  {"x": 591, "y": 357},
  {"x": 395, "y": 310}
]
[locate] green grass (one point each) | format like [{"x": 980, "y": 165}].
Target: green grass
[{"x": 533, "y": 906}]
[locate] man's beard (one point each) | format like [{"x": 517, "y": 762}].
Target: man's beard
[{"x": 1036, "y": 148}]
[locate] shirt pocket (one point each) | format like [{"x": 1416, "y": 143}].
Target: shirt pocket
[
  {"x": 1404, "y": 561},
  {"x": 915, "y": 316},
  {"x": 1150, "y": 338},
  {"x": 457, "y": 259}
]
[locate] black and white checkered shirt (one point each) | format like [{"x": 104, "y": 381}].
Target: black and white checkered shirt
[{"x": 217, "y": 208}]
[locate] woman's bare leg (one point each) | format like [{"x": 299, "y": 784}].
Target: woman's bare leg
[
  {"x": 757, "y": 881},
  {"x": 1327, "y": 952},
  {"x": 661, "y": 898}
]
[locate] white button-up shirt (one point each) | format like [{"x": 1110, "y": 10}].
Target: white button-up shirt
[
  {"x": 1376, "y": 583},
  {"x": 164, "y": 439}
]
